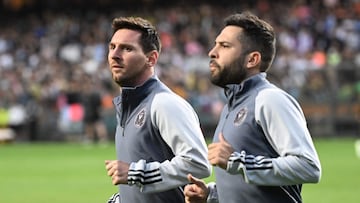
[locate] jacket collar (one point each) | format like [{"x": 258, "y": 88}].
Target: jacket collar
[
  {"x": 136, "y": 94},
  {"x": 234, "y": 91}
]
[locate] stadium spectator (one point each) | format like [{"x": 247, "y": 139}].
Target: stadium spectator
[{"x": 94, "y": 126}]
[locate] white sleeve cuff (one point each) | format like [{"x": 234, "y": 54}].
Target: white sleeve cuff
[
  {"x": 213, "y": 196},
  {"x": 236, "y": 164},
  {"x": 136, "y": 173}
]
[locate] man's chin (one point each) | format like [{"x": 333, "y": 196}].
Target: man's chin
[
  {"x": 216, "y": 82},
  {"x": 117, "y": 80}
]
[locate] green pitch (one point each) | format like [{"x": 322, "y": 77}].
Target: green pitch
[
  {"x": 56, "y": 173},
  {"x": 64, "y": 173}
]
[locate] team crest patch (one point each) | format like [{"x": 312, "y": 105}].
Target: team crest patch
[
  {"x": 240, "y": 117},
  {"x": 140, "y": 118}
]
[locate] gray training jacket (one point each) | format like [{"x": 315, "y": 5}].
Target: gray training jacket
[
  {"x": 159, "y": 134},
  {"x": 274, "y": 153}
]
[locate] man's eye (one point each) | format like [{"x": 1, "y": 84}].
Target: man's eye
[
  {"x": 127, "y": 49},
  {"x": 111, "y": 46}
]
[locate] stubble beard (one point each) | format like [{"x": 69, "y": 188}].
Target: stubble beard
[
  {"x": 120, "y": 80},
  {"x": 128, "y": 78},
  {"x": 117, "y": 79}
]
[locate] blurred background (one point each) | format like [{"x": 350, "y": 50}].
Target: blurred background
[{"x": 53, "y": 61}]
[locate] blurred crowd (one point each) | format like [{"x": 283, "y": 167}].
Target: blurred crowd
[{"x": 50, "y": 60}]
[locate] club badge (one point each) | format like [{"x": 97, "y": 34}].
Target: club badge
[
  {"x": 140, "y": 118},
  {"x": 240, "y": 116}
]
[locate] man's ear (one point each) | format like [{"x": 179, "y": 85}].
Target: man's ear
[
  {"x": 152, "y": 58},
  {"x": 253, "y": 59}
]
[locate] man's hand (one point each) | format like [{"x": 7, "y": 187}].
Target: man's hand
[
  {"x": 220, "y": 152},
  {"x": 197, "y": 192},
  {"x": 118, "y": 171}
]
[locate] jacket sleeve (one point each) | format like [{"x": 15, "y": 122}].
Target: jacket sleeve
[
  {"x": 179, "y": 126},
  {"x": 284, "y": 126}
]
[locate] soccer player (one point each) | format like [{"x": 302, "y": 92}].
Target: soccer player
[
  {"x": 158, "y": 137},
  {"x": 262, "y": 150}
]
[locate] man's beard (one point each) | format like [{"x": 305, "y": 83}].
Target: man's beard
[
  {"x": 118, "y": 80},
  {"x": 233, "y": 73}
]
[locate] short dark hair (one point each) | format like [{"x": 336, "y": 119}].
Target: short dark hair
[
  {"x": 258, "y": 35},
  {"x": 150, "y": 39}
]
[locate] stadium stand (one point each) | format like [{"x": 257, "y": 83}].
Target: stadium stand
[{"x": 47, "y": 48}]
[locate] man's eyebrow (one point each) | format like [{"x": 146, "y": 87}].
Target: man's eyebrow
[{"x": 223, "y": 42}]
